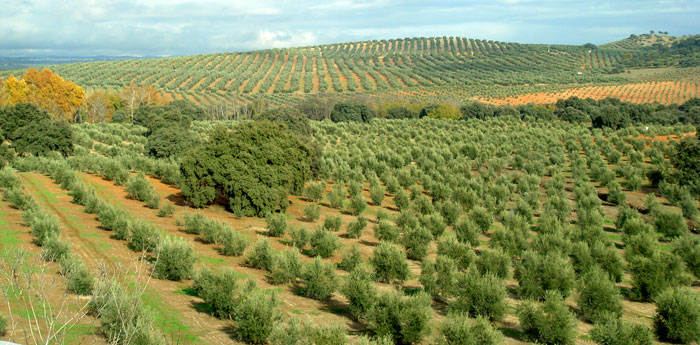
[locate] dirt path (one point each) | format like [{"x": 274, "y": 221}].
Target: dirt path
[
  {"x": 208, "y": 255},
  {"x": 94, "y": 245},
  {"x": 15, "y": 234}
]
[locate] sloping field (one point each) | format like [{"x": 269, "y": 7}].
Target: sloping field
[
  {"x": 664, "y": 92},
  {"x": 441, "y": 63}
]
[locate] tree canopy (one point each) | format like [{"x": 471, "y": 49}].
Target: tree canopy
[{"x": 255, "y": 166}]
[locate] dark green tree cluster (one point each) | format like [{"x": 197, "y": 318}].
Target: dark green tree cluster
[
  {"x": 168, "y": 127},
  {"x": 352, "y": 111},
  {"x": 254, "y": 166},
  {"x": 31, "y": 130}
]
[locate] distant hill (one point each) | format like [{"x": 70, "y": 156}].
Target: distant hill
[
  {"x": 393, "y": 68},
  {"x": 641, "y": 41},
  {"x": 8, "y": 63}
]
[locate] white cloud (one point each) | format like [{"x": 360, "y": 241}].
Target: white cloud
[{"x": 179, "y": 27}]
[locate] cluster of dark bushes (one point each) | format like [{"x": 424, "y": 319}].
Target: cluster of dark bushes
[
  {"x": 30, "y": 130},
  {"x": 605, "y": 113},
  {"x": 254, "y": 166}
]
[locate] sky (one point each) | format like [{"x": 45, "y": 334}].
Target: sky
[{"x": 186, "y": 27}]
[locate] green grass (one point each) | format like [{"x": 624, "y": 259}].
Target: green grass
[
  {"x": 75, "y": 334},
  {"x": 211, "y": 260},
  {"x": 8, "y": 237},
  {"x": 49, "y": 196},
  {"x": 169, "y": 320}
]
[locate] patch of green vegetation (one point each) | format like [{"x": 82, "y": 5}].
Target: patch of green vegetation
[
  {"x": 211, "y": 260},
  {"x": 8, "y": 237},
  {"x": 76, "y": 333},
  {"x": 169, "y": 320},
  {"x": 50, "y": 197},
  {"x": 187, "y": 291}
]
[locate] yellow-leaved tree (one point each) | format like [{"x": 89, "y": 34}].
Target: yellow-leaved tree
[
  {"x": 59, "y": 97},
  {"x": 14, "y": 91}
]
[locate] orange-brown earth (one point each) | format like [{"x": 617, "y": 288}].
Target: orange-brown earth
[{"x": 664, "y": 92}]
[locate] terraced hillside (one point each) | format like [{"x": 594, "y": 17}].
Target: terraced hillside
[{"x": 375, "y": 67}]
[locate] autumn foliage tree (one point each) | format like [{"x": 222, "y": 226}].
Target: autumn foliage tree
[
  {"x": 47, "y": 90},
  {"x": 135, "y": 96}
]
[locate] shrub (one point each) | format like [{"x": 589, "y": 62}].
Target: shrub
[
  {"x": 670, "y": 224},
  {"x": 42, "y": 137},
  {"x": 689, "y": 207},
  {"x": 644, "y": 245},
  {"x": 336, "y": 196},
  {"x": 153, "y": 202},
  {"x": 423, "y": 205},
  {"x": 357, "y": 205},
  {"x": 314, "y": 191},
  {"x": 495, "y": 262},
  {"x": 360, "y": 291},
  {"x": 250, "y": 148},
  {"x": 122, "y": 315},
  {"x": 232, "y": 242},
  {"x": 384, "y": 231},
  {"x": 482, "y": 218},
  {"x": 80, "y": 279},
  {"x": 352, "y": 111},
  {"x": 598, "y": 296},
  {"x": 312, "y": 212},
  {"x": 611, "y": 330},
  {"x": 293, "y": 118},
  {"x": 169, "y": 141},
  {"x": 389, "y": 263},
  {"x": 636, "y": 226},
  {"x": 438, "y": 278},
  {"x": 54, "y": 249},
  {"x": 299, "y": 237},
  {"x": 406, "y": 219},
  {"x": 44, "y": 226},
  {"x": 401, "y": 200},
  {"x": 458, "y": 329},
  {"x": 417, "y": 241},
  {"x": 615, "y": 193},
  {"x": 678, "y": 316},
  {"x": 434, "y": 223},
  {"x": 175, "y": 259},
  {"x": 462, "y": 253},
  {"x": 332, "y": 223},
  {"x": 286, "y": 266},
  {"x": 480, "y": 295},
  {"x": 405, "y": 318},
  {"x": 323, "y": 243},
  {"x": 656, "y": 273},
  {"x": 17, "y": 198},
  {"x": 255, "y": 317},
  {"x": 195, "y": 223},
  {"x": 688, "y": 249},
  {"x": 138, "y": 187},
  {"x": 319, "y": 279},
  {"x": 296, "y": 333},
  {"x": 548, "y": 323},
  {"x": 260, "y": 256},
  {"x": 277, "y": 224},
  {"x": 354, "y": 187},
  {"x": 376, "y": 194},
  {"x": 219, "y": 289},
  {"x": 166, "y": 210},
  {"x": 356, "y": 227},
  {"x": 351, "y": 258},
  {"x": 144, "y": 236},
  {"x": 537, "y": 273}
]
